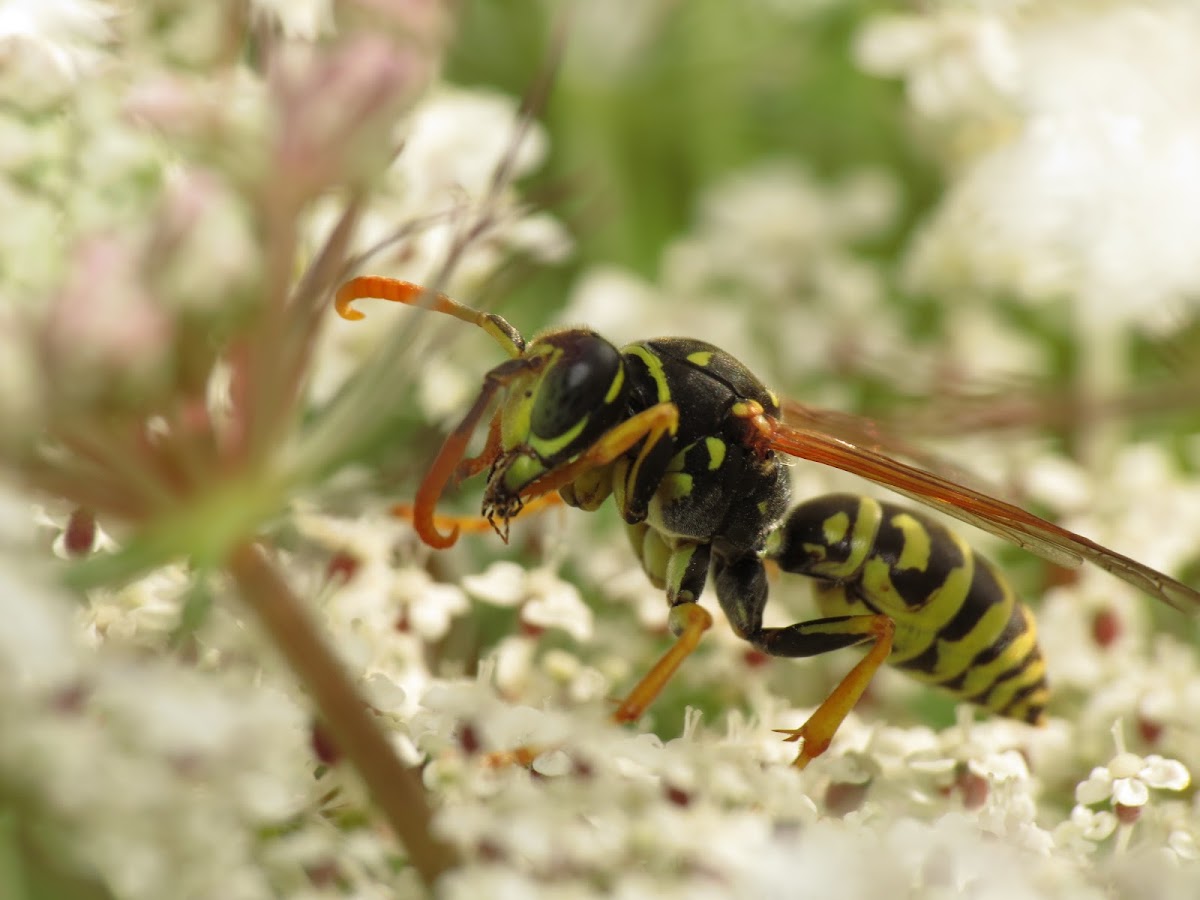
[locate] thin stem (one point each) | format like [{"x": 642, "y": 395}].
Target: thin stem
[
  {"x": 1103, "y": 372},
  {"x": 394, "y": 788}
]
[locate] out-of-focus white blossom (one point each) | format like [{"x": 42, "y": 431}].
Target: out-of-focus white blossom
[
  {"x": 767, "y": 272},
  {"x": 379, "y": 593},
  {"x": 1071, "y": 142},
  {"x": 546, "y": 600},
  {"x": 49, "y": 46}
]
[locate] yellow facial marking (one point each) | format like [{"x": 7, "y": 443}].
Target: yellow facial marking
[
  {"x": 614, "y": 389},
  {"x": 550, "y": 445},
  {"x": 517, "y": 414}
]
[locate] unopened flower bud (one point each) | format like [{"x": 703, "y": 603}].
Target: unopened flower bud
[
  {"x": 338, "y": 111},
  {"x": 205, "y": 255},
  {"x": 105, "y": 335}
]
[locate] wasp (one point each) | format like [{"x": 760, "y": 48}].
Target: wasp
[{"x": 692, "y": 448}]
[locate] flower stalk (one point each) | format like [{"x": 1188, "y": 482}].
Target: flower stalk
[{"x": 395, "y": 789}]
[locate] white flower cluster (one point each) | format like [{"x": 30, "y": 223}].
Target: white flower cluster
[
  {"x": 147, "y": 772},
  {"x": 1068, "y": 132},
  {"x": 773, "y": 241}
]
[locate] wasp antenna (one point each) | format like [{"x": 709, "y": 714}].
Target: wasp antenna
[{"x": 381, "y": 288}]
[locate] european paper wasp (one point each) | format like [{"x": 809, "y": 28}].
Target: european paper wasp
[{"x": 691, "y": 446}]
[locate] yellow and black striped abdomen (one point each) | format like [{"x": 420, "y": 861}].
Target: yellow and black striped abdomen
[{"x": 958, "y": 623}]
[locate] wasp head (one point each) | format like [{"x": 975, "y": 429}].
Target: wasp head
[{"x": 554, "y": 412}]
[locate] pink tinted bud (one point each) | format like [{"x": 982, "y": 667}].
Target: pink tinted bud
[
  {"x": 104, "y": 331},
  {"x": 338, "y": 112},
  {"x": 165, "y": 103},
  {"x": 204, "y": 255}
]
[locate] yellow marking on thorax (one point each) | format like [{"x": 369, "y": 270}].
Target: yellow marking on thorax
[
  {"x": 654, "y": 366},
  {"x": 700, "y": 357},
  {"x": 716, "y": 452},
  {"x": 674, "y": 486}
]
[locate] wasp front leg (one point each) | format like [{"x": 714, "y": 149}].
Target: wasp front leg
[
  {"x": 681, "y": 567},
  {"x": 742, "y": 591}
]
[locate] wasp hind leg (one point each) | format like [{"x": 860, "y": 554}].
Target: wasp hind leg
[{"x": 742, "y": 591}]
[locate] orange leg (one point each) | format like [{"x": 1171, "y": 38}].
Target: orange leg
[
  {"x": 821, "y": 726},
  {"x": 450, "y": 456},
  {"x": 473, "y": 524},
  {"x": 689, "y": 621},
  {"x": 469, "y": 468},
  {"x": 651, "y": 424}
]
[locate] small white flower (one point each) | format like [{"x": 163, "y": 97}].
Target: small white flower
[
  {"x": 546, "y": 600},
  {"x": 1127, "y": 779},
  {"x": 380, "y": 593},
  {"x": 555, "y": 603},
  {"x": 1086, "y": 828},
  {"x": 501, "y": 584},
  {"x": 428, "y": 605}
]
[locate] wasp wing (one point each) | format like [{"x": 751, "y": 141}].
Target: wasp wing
[
  {"x": 976, "y": 508},
  {"x": 869, "y": 435}
]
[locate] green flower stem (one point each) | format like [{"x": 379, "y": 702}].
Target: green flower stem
[{"x": 395, "y": 789}]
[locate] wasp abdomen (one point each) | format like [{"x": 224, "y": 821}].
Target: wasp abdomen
[{"x": 958, "y": 623}]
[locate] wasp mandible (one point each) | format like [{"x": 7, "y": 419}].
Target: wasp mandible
[{"x": 690, "y": 445}]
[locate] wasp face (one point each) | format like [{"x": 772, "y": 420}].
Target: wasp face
[{"x": 555, "y": 412}]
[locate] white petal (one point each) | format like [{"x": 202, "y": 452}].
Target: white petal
[
  {"x": 1130, "y": 792},
  {"x": 1097, "y": 788},
  {"x": 1095, "y": 826},
  {"x": 559, "y": 606},
  {"x": 552, "y": 764},
  {"x": 1165, "y": 774},
  {"x": 504, "y": 584},
  {"x": 1184, "y": 845}
]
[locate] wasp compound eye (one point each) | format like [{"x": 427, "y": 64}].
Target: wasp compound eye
[{"x": 583, "y": 379}]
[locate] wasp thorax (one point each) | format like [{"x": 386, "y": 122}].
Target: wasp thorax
[{"x": 560, "y": 409}]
